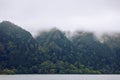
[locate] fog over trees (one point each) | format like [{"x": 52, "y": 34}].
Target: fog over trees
[{"x": 53, "y": 51}]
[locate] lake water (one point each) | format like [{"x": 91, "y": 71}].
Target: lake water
[{"x": 59, "y": 77}]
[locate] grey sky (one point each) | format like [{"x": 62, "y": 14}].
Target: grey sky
[{"x": 34, "y": 15}]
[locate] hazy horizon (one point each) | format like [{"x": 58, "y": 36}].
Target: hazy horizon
[{"x": 34, "y": 15}]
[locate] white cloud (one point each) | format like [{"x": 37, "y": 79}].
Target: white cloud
[{"x": 96, "y": 15}]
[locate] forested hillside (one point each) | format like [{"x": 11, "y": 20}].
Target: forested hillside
[{"x": 52, "y": 52}]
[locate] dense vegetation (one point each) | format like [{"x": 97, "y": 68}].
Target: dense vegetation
[{"x": 52, "y": 52}]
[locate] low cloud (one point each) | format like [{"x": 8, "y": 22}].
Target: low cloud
[{"x": 34, "y": 15}]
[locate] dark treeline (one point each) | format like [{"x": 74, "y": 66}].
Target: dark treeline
[{"x": 51, "y": 52}]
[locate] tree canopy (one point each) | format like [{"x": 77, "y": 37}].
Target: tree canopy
[{"x": 52, "y": 52}]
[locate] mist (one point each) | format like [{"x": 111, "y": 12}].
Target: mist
[{"x": 67, "y": 15}]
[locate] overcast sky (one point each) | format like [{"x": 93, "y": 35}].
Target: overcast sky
[{"x": 34, "y": 15}]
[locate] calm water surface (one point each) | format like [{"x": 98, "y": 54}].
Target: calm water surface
[{"x": 59, "y": 77}]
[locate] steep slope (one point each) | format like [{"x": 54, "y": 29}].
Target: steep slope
[
  {"x": 17, "y": 47},
  {"x": 113, "y": 42},
  {"x": 52, "y": 52},
  {"x": 21, "y": 53},
  {"x": 59, "y": 47},
  {"x": 93, "y": 53},
  {"x": 60, "y": 54}
]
